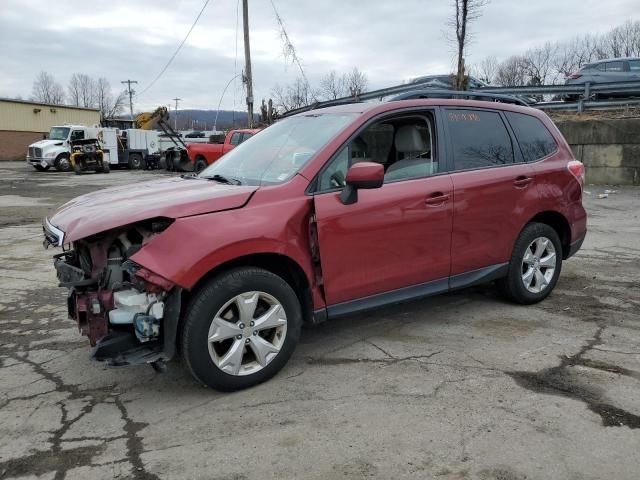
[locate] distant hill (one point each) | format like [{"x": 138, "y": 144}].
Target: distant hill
[{"x": 204, "y": 119}]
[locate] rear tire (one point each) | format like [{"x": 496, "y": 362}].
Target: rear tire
[
  {"x": 258, "y": 291},
  {"x": 135, "y": 161},
  {"x": 535, "y": 265},
  {"x": 106, "y": 168}
]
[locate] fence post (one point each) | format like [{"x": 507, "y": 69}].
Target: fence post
[{"x": 585, "y": 97}]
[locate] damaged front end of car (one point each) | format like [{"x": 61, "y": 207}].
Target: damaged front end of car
[{"x": 129, "y": 313}]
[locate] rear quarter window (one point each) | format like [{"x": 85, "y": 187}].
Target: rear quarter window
[
  {"x": 615, "y": 66},
  {"x": 535, "y": 140}
]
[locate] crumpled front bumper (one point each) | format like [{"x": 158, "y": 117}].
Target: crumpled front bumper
[{"x": 53, "y": 236}]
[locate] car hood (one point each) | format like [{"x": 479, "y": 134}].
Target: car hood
[
  {"x": 172, "y": 198},
  {"x": 47, "y": 143}
]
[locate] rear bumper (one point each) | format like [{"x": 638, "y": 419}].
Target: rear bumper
[{"x": 575, "y": 246}]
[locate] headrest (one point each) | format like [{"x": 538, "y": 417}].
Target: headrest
[
  {"x": 409, "y": 139},
  {"x": 358, "y": 145}
]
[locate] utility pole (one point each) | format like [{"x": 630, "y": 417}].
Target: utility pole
[
  {"x": 247, "y": 58},
  {"x": 175, "y": 119},
  {"x": 131, "y": 93}
]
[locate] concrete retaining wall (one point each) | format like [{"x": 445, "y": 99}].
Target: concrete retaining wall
[{"x": 609, "y": 148}]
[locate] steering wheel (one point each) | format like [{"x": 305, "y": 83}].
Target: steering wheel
[{"x": 337, "y": 179}]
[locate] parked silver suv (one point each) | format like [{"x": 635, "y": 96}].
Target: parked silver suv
[{"x": 606, "y": 71}]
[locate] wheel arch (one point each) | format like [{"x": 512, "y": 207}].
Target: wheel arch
[
  {"x": 277, "y": 263},
  {"x": 560, "y": 224}
]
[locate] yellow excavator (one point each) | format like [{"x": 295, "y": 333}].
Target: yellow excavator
[{"x": 176, "y": 157}]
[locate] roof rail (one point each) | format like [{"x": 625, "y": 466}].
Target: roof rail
[
  {"x": 468, "y": 94},
  {"x": 409, "y": 91}
]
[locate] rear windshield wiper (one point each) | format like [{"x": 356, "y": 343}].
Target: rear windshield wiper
[{"x": 222, "y": 179}]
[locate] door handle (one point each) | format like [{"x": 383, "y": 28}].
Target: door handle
[
  {"x": 437, "y": 198},
  {"x": 522, "y": 181}
]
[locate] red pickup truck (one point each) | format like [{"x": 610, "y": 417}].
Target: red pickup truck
[{"x": 202, "y": 155}]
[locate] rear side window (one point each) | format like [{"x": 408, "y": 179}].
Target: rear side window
[
  {"x": 236, "y": 138},
  {"x": 479, "y": 139},
  {"x": 615, "y": 66},
  {"x": 533, "y": 137},
  {"x": 634, "y": 65}
]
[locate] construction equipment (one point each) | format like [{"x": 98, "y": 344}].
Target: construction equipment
[
  {"x": 175, "y": 157},
  {"x": 88, "y": 154}
]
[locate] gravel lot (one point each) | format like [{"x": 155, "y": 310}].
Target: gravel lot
[{"x": 461, "y": 386}]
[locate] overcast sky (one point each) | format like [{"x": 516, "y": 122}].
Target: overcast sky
[{"x": 390, "y": 40}]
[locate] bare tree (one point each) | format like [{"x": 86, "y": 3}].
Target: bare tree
[
  {"x": 333, "y": 86},
  {"x": 356, "y": 82},
  {"x": 466, "y": 11},
  {"x": 623, "y": 40},
  {"x": 571, "y": 55},
  {"x": 82, "y": 90},
  {"x": 299, "y": 94},
  {"x": 47, "y": 90},
  {"x": 486, "y": 70},
  {"x": 551, "y": 63},
  {"x": 538, "y": 64},
  {"x": 109, "y": 105},
  {"x": 511, "y": 72}
]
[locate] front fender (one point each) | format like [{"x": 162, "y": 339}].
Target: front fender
[{"x": 193, "y": 246}]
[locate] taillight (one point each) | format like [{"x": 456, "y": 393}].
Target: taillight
[
  {"x": 577, "y": 170},
  {"x": 573, "y": 76}
]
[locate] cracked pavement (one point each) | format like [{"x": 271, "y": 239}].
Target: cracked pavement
[{"x": 460, "y": 386}]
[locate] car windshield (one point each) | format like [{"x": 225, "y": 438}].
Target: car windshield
[
  {"x": 280, "y": 151},
  {"x": 58, "y": 133}
]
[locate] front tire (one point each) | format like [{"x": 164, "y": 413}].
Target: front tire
[
  {"x": 241, "y": 328},
  {"x": 201, "y": 164},
  {"x": 62, "y": 163},
  {"x": 535, "y": 265},
  {"x": 40, "y": 168}
]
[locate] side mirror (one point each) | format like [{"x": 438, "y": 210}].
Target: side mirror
[{"x": 361, "y": 175}]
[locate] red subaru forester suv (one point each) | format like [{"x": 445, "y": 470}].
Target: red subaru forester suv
[{"x": 325, "y": 213}]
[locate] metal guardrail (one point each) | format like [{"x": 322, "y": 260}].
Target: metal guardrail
[
  {"x": 583, "y": 105},
  {"x": 586, "y": 94},
  {"x": 586, "y": 89}
]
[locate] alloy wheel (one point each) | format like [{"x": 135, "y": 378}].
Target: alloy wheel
[
  {"x": 538, "y": 264},
  {"x": 247, "y": 333}
]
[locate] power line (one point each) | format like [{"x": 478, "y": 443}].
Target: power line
[
  {"x": 289, "y": 49},
  {"x": 177, "y": 50}
]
